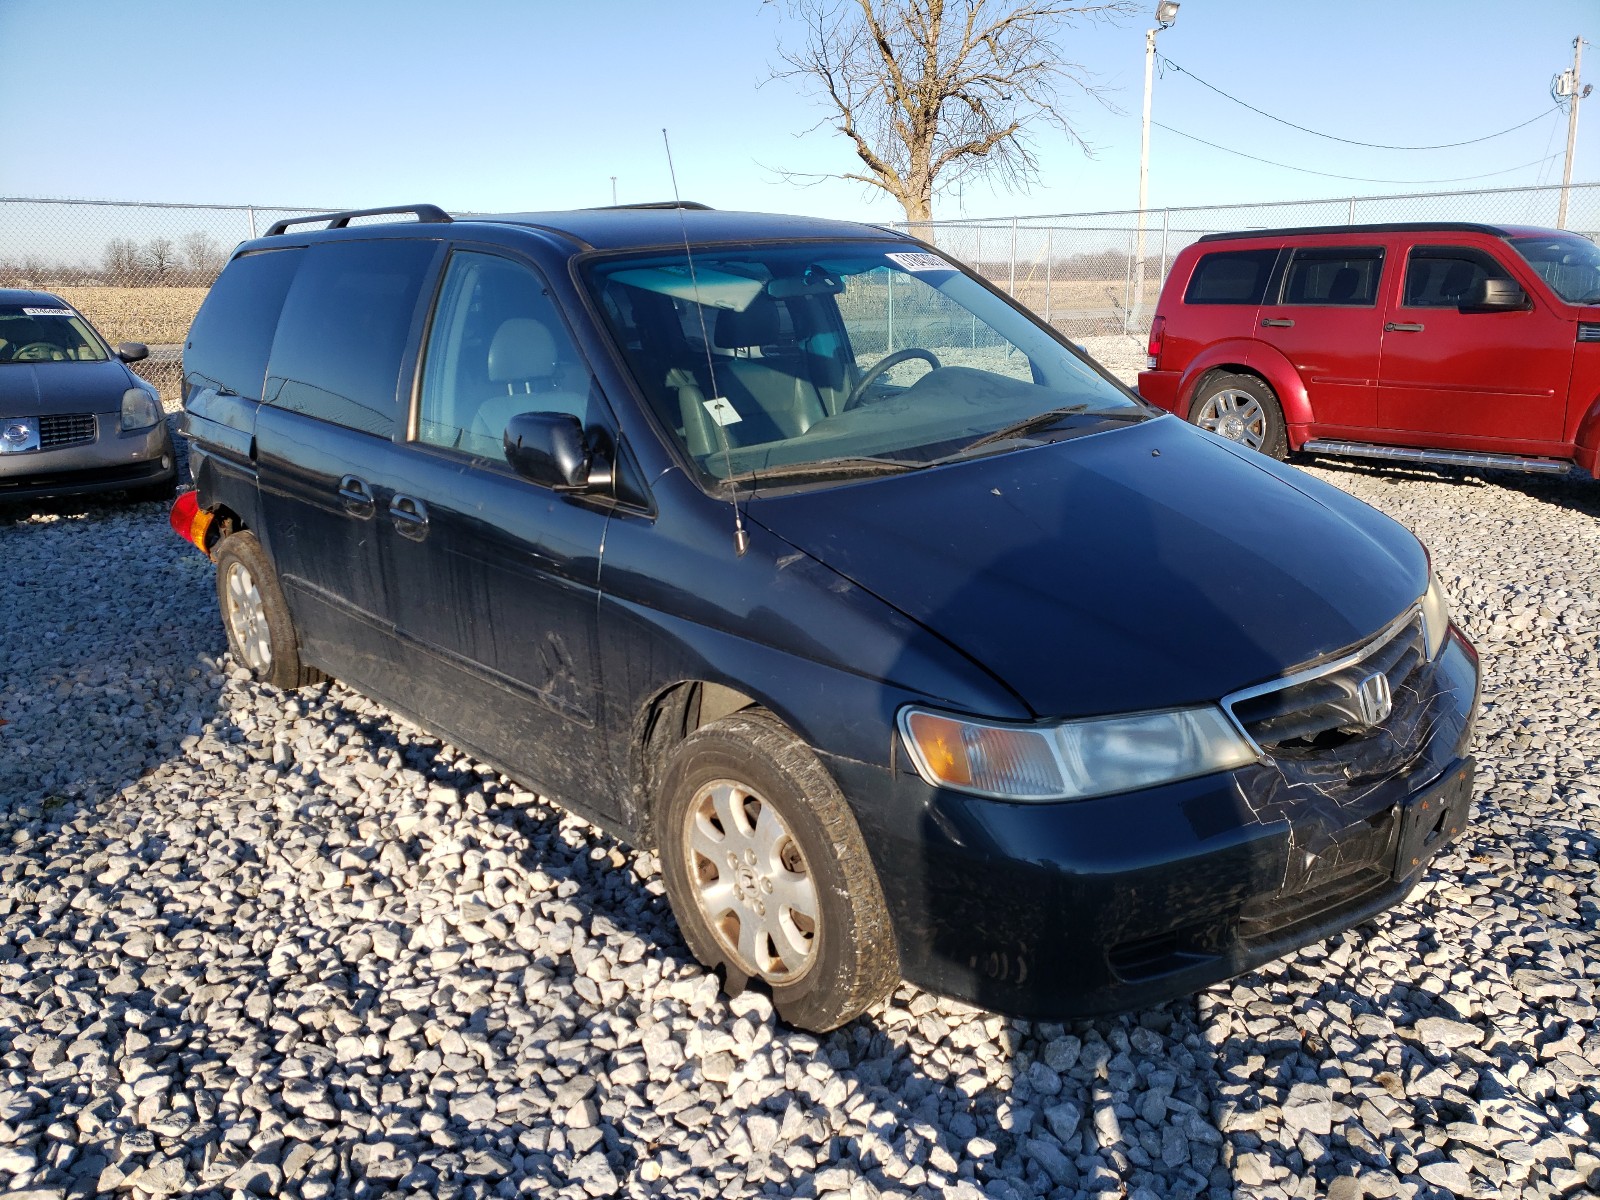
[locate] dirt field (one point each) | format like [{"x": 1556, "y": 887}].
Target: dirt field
[{"x": 153, "y": 315}]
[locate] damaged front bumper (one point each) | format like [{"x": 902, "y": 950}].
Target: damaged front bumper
[{"x": 1078, "y": 908}]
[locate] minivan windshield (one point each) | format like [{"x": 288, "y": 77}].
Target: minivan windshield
[
  {"x": 1568, "y": 263},
  {"x": 35, "y": 333},
  {"x": 815, "y": 360}
]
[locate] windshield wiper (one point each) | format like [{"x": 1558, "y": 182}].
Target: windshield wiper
[
  {"x": 860, "y": 464},
  {"x": 1029, "y": 425}
]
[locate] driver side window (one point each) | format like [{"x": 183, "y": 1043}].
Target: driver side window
[{"x": 496, "y": 348}]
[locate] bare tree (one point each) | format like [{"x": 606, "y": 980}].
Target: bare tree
[
  {"x": 160, "y": 259},
  {"x": 121, "y": 262},
  {"x": 932, "y": 91},
  {"x": 202, "y": 256}
]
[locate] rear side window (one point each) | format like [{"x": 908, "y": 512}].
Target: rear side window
[
  {"x": 232, "y": 333},
  {"x": 1231, "y": 277},
  {"x": 344, "y": 329},
  {"x": 1338, "y": 275},
  {"x": 1445, "y": 276}
]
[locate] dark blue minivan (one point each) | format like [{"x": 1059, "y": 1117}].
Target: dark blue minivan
[{"x": 913, "y": 643}]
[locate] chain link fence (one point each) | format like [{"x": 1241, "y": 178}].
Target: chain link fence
[
  {"x": 1083, "y": 271},
  {"x": 139, "y": 271}
]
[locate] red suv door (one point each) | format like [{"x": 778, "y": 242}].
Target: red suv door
[
  {"x": 1475, "y": 380},
  {"x": 1326, "y": 317}
]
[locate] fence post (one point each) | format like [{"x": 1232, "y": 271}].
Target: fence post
[
  {"x": 252, "y": 215},
  {"x": 1166, "y": 216},
  {"x": 1049, "y": 254},
  {"x": 1013, "y": 258},
  {"x": 1351, "y": 220}
]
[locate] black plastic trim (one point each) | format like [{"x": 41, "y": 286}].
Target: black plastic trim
[{"x": 426, "y": 214}]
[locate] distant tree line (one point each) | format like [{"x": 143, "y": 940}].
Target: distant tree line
[{"x": 193, "y": 260}]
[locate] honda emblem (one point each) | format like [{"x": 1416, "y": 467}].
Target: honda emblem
[{"x": 1374, "y": 699}]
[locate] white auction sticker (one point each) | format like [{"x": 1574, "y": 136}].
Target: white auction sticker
[
  {"x": 721, "y": 411},
  {"x": 919, "y": 262},
  {"x": 47, "y": 312}
]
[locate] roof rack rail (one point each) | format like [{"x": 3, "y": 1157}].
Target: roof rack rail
[
  {"x": 425, "y": 213},
  {"x": 695, "y": 205}
]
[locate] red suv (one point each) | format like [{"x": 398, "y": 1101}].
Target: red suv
[{"x": 1475, "y": 345}]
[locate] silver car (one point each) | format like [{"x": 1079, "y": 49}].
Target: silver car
[{"x": 73, "y": 418}]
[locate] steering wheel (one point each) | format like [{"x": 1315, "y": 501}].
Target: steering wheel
[
  {"x": 882, "y": 365},
  {"x": 37, "y": 352}
]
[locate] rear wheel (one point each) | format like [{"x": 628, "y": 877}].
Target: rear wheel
[
  {"x": 768, "y": 874},
  {"x": 261, "y": 632},
  {"x": 1242, "y": 409}
]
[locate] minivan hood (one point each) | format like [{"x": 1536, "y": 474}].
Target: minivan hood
[
  {"x": 45, "y": 389},
  {"x": 1142, "y": 568}
]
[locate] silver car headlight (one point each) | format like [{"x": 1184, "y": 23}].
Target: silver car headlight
[
  {"x": 19, "y": 434},
  {"x": 1435, "y": 616},
  {"x": 1072, "y": 760},
  {"x": 139, "y": 410}
]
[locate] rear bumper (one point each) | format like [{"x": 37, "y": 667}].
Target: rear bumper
[
  {"x": 1161, "y": 389},
  {"x": 1076, "y": 909},
  {"x": 112, "y": 462}
]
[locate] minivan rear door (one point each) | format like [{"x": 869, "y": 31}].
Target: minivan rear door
[
  {"x": 1325, "y": 315},
  {"x": 326, "y": 460},
  {"x": 1472, "y": 380}
]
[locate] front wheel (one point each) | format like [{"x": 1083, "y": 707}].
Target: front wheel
[
  {"x": 768, "y": 874},
  {"x": 261, "y": 632},
  {"x": 1242, "y": 409}
]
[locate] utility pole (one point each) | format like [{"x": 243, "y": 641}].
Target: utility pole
[
  {"x": 613, "y": 190},
  {"x": 1166, "y": 14},
  {"x": 1570, "y": 84}
]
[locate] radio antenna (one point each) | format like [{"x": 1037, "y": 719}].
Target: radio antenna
[{"x": 741, "y": 539}]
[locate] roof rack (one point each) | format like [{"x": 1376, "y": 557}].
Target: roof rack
[
  {"x": 694, "y": 205},
  {"x": 1384, "y": 227},
  {"x": 425, "y": 213}
]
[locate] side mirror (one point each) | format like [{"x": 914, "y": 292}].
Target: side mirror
[
  {"x": 547, "y": 448},
  {"x": 130, "y": 352},
  {"x": 1495, "y": 295}
]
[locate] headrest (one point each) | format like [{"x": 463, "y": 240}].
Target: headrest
[
  {"x": 755, "y": 326},
  {"x": 522, "y": 349}
]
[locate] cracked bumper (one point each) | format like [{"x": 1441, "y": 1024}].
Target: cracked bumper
[{"x": 1074, "y": 909}]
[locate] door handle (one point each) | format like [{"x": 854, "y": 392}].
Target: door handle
[
  {"x": 1277, "y": 323},
  {"x": 1400, "y": 327},
  {"x": 410, "y": 516},
  {"x": 357, "y": 496}
]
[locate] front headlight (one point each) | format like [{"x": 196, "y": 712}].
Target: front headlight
[
  {"x": 1072, "y": 760},
  {"x": 19, "y": 434},
  {"x": 1435, "y": 616},
  {"x": 139, "y": 410}
]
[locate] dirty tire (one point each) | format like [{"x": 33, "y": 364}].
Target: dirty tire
[
  {"x": 261, "y": 633},
  {"x": 1243, "y": 409},
  {"x": 749, "y": 760}
]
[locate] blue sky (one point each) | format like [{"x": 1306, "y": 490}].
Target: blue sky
[{"x": 495, "y": 105}]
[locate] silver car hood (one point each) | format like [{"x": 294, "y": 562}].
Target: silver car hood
[{"x": 49, "y": 388}]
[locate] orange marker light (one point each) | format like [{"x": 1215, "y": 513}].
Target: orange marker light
[
  {"x": 939, "y": 740},
  {"x": 189, "y": 521}
]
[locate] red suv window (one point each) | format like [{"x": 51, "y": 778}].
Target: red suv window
[
  {"x": 1334, "y": 275},
  {"x": 1445, "y": 276},
  {"x": 1231, "y": 277}
]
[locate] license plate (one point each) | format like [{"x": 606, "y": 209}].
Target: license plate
[{"x": 1432, "y": 819}]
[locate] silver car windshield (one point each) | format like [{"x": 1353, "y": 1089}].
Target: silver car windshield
[
  {"x": 817, "y": 359},
  {"x": 35, "y": 333},
  {"x": 1569, "y": 264}
]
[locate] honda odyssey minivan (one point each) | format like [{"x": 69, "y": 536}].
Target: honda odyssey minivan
[{"x": 915, "y": 645}]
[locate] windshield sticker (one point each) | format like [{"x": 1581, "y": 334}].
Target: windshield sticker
[
  {"x": 721, "y": 411},
  {"x": 47, "y": 312},
  {"x": 919, "y": 262}
]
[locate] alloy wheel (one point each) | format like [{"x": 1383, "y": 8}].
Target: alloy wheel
[
  {"x": 247, "y": 618},
  {"x": 1236, "y": 415}
]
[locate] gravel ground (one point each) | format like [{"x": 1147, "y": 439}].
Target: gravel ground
[{"x": 288, "y": 945}]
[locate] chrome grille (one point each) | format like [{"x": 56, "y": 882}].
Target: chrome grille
[
  {"x": 66, "y": 430},
  {"x": 1307, "y": 708}
]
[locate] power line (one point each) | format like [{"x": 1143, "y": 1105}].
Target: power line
[
  {"x": 1167, "y": 62},
  {"x": 1349, "y": 178}
]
